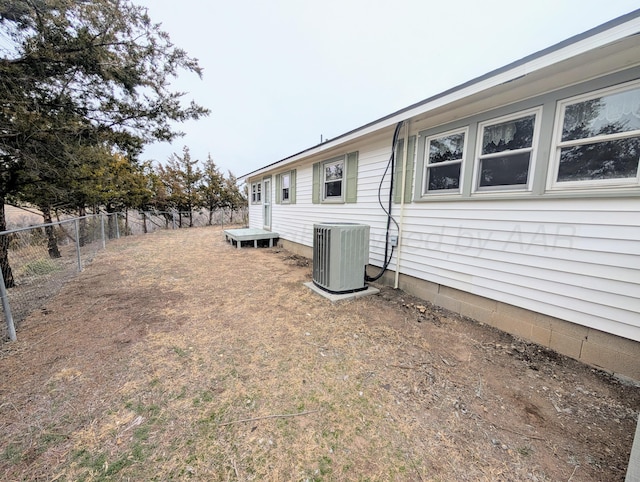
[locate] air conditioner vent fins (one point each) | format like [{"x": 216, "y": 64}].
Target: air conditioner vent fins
[{"x": 340, "y": 255}]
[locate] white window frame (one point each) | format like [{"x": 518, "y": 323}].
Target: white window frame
[
  {"x": 256, "y": 193},
  {"x": 537, "y": 112},
  {"x": 285, "y": 176},
  {"x": 557, "y": 144},
  {"x": 425, "y": 175},
  {"x": 323, "y": 186}
]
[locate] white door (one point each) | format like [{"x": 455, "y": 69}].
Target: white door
[{"x": 266, "y": 205}]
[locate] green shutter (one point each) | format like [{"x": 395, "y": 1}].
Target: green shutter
[
  {"x": 397, "y": 172},
  {"x": 278, "y": 188},
  {"x": 410, "y": 169},
  {"x": 315, "y": 190},
  {"x": 351, "y": 191},
  {"x": 397, "y": 175},
  {"x": 292, "y": 187}
]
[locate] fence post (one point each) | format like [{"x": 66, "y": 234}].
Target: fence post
[
  {"x": 117, "y": 226},
  {"x": 104, "y": 242},
  {"x": 173, "y": 219},
  {"x": 77, "y": 225},
  {"x": 7, "y": 309}
]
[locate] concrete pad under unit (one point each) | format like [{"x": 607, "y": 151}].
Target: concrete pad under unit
[
  {"x": 344, "y": 296},
  {"x": 633, "y": 469},
  {"x": 249, "y": 234}
]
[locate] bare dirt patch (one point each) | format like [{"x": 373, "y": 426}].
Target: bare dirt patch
[{"x": 175, "y": 356}]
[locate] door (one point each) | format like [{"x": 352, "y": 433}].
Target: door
[{"x": 266, "y": 205}]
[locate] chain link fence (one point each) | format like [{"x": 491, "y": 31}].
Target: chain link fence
[
  {"x": 36, "y": 261},
  {"x": 150, "y": 221}
]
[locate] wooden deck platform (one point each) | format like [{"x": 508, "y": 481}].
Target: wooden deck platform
[{"x": 249, "y": 234}]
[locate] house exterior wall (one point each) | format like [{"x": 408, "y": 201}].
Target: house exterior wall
[
  {"x": 607, "y": 351},
  {"x": 572, "y": 259},
  {"x": 294, "y": 222},
  {"x": 558, "y": 268},
  {"x": 576, "y": 260}
]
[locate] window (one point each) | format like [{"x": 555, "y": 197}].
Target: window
[
  {"x": 286, "y": 187},
  {"x": 597, "y": 139},
  {"x": 506, "y": 150},
  {"x": 443, "y": 162},
  {"x": 336, "y": 180},
  {"x": 332, "y": 180},
  {"x": 256, "y": 193}
]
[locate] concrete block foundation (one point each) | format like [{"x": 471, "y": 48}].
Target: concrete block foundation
[{"x": 611, "y": 353}]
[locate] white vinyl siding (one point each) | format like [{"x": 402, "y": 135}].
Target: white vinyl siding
[
  {"x": 295, "y": 222},
  {"x": 574, "y": 260},
  {"x": 572, "y": 254}
]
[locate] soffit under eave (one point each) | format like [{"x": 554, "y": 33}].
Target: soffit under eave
[
  {"x": 383, "y": 135},
  {"x": 621, "y": 55}
]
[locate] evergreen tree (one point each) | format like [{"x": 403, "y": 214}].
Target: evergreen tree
[
  {"x": 232, "y": 196},
  {"x": 181, "y": 177},
  {"x": 83, "y": 74},
  {"x": 211, "y": 189}
]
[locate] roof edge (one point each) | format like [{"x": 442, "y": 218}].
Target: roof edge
[{"x": 611, "y": 24}]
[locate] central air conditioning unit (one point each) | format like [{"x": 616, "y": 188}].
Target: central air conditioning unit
[{"x": 340, "y": 256}]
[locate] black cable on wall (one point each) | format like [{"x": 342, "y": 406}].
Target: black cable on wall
[{"x": 392, "y": 159}]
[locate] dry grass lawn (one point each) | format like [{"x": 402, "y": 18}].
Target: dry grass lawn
[{"x": 174, "y": 356}]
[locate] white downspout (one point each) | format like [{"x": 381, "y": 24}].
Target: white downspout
[{"x": 405, "y": 155}]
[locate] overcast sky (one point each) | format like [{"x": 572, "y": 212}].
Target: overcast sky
[{"x": 279, "y": 74}]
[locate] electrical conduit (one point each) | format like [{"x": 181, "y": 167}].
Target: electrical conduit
[{"x": 405, "y": 155}]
